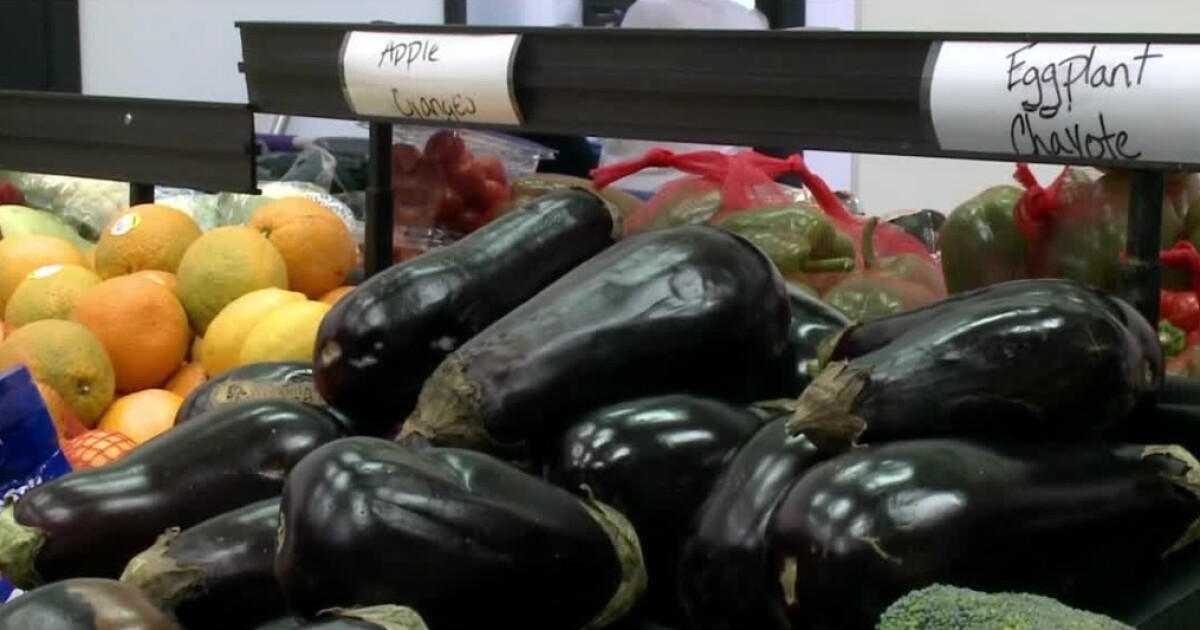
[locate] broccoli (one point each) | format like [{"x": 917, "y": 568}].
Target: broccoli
[{"x": 951, "y": 608}]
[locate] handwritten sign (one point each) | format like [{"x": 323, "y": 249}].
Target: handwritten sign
[
  {"x": 450, "y": 78},
  {"x": 1083, "y": 101}
]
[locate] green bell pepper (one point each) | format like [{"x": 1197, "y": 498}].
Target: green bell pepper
[
  {"x": 980, "y": 242},
  {"x": 796, "y": 238},
  {"x": 884, "y": 286}
]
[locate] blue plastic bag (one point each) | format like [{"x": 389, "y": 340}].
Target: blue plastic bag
[{"x": 29, "y": 450}]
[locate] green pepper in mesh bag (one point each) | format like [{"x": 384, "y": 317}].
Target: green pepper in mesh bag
[
  {"x": 796, "y": 238},
  {"x": 980, "y": 242}
]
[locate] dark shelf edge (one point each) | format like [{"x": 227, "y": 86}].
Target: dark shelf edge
[{"x": 207, "y": 146}]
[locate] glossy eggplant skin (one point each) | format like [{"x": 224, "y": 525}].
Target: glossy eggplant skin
[
  {"x": 84, "y": 604},
  {"x": 725, "y": 581},
  {"x": 814, "y": 323},
  {"x": 689, "y": 310},
  {"x": 461, "y": 537},
  {"x": 225, "y": 568},
  {"x": 378, "y": 344},
  {"x": 280, "y": 380},
  {"x": 1069, "y": 521},
  {"x": 385, "y": 617},
  {"x": 654, "y": 460},
  {"x": 865, "y": 337},
  {"x": 93, "y": 521},
  {"x": 1032, "y": 365}
]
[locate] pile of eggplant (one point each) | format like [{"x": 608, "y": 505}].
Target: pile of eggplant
[{"x": 544, "y": 427}]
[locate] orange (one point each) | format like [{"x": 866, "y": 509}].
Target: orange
[
  {"x": 315, "y": 243},
  {"x": 186, "y": 380},
  {"x": 49, "y": 292},
  {"x": 141, "y": 324},
  {"x": 165, "y": 278},
  {"x": 66, "y": 421},
  {"x": 222, "y": 266},
  {"x": 21, "y": 255},
  {"x": 334, "y": 296},
  {"x": 142, "y": 415},
  {"x": 96, "y": 448},
  {"x": 147, "y": 236},
  {"x": 69, "y": 358}
]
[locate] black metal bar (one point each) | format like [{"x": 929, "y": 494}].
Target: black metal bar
[
  {"x": 140, "y": 193},
  {"x": 377, "y": 254},
  {"x": 782, "y": 13},
  {"x": 454, "y": 11},
  {"x": 852, "y": 91},
  {"x": 1141, "y": 274},
  {"x": 208, "y": 146}
]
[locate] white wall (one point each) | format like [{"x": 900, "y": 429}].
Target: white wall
[
  {"x": 888, "y": 183},
  {"x": 189, "y": 49}
]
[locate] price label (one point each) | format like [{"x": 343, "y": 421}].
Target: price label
[
  {"x": 450, "y": 78},
  {"x": 1081, "y": 101}
]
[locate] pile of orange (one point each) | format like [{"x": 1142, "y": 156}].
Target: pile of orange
[{"x": 115, "y": 336}]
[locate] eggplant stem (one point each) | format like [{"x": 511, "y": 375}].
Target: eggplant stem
[
  {"x": 19, "y": 548},
  {"x": 629, "y": 553},
  {"x": 823, "y": 411},
  {"x": 387, "y": 617},
  {"x": 447, "y": 412},
  {"x": 164, "y": 580},
  {"x": 1189, "y": 480},
  {"x": 823, "y": 265}
]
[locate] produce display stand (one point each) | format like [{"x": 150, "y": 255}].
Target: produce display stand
[
  {"x": 864, "y": 92},
  {"x": 206, "y": 146}
]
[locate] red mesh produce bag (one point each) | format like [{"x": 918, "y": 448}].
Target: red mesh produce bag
[
  {"x": 1075, "y": 228},
  {"x": 720, "y": 183},
  {"x": 892, "y": 246},
  {"x": 97, "y": 448}
]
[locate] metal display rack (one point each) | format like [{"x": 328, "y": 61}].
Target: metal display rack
[
  {"x": 207, "y": 146},
  {"x": 865, "y": 92}
]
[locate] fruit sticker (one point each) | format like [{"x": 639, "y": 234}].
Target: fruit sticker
[
  {"x": 125, "y": 224},
  {"x": 44, "y": 272}
]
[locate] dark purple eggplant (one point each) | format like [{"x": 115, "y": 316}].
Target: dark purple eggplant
[
  {"x": 725, "y": 580},
  {"x": 689, "y": 310},
  {"x": 654, "y": 460},
  {"x": 218, "y": 574},
  {"x": 90, "y": 523},
  {"x": 466, "y": 539},
  {"x": 369, "y": 618},
  {"x": 378, "y": 345},
  {"x": 865, "y": 337},
  {"x": 1073, "y": 522},
  {"x": 1033, "y": 365},
  {"x": 84, "y": 604},
  {"x": 284, "y": 380},
  {"x": 814, "y": 323}
]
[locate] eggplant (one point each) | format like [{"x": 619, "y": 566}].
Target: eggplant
[
  {"x": 864, "y": 337},
  {"x": 462, "y": 537},
  {"x": 218, "y": 574},
  {"x": 814, "y": 323},
  {"x": 378, "y": 344},
  {"x": 369, "y": 618},
  {"x": 725, "y": 580},
  {"x": 689, "y": 310},
  {"x": 1073, "y": 522},
  {"x": 91, "y": 522},
  {"x": 1033, "y": 365},
  {"x": 282, "y": 380},
  {"x": 654, "y": 460},
  {"x": 84, "y": 604}
]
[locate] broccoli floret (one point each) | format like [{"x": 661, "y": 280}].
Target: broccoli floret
[{"x": 951, "y": 608}]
